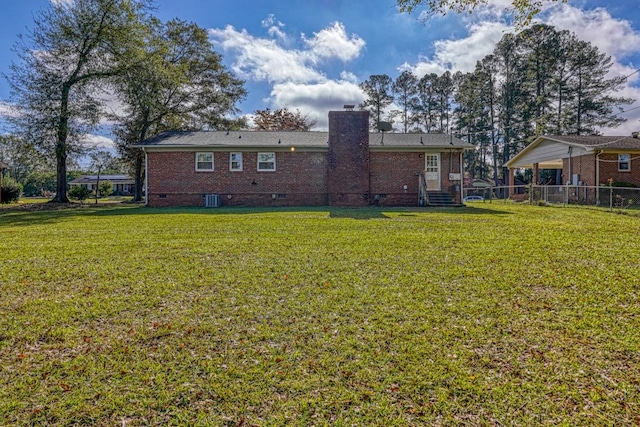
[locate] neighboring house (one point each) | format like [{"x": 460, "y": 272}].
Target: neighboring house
[
  {"x": 123, "y": 185},
  {"x": 581, "y": 160},
  {"x": 2, "y": 168},
  {"x": 346, "y": 166}
]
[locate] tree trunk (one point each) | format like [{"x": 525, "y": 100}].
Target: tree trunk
[
  {"x": 61, "y": 175},
  {"x": 97, "y": 186},
  {"x": 138, "y": 178},
  {"x": 61, "y": 148}
]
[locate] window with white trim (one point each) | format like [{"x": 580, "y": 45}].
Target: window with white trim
[
  {"x": 235, "y": 162},
  {"x": 204, "y": 162},
  {"x": 624, "y": 162},
  {"x": 266, "y": 162}
]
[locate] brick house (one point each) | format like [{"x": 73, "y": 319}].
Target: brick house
[
  {"x": 122, "y": 184},
  {"x": 346, "y": 166},
  {"x": 581, "y": 160}
]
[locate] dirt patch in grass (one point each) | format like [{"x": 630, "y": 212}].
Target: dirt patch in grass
[{"x": 34, "y": 207}]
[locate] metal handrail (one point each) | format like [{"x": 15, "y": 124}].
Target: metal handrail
[{"x": 423, "y": 195}]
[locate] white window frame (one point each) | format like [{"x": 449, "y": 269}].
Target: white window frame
[
  {"x": 627, "y": 161},
  {"x": 198, "y": 161},
  {"x": 271, "y": 155},
  {"x": 238, "y": 160}
]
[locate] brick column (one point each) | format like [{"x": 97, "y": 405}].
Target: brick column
[
  {"x": 348, "y": 162},
  {"x": 512, "y": 182}
]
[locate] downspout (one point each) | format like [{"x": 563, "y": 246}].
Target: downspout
[
  {"x": 461, "y": 156},
  {"x": 570, "y": 177},
  {"x": 146, "y": 177},
  {"x": 598, "y": 176}
]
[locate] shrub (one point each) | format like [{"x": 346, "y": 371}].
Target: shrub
[
  {"x": 10, "y": 191},
  {"x": 79, "y": 192},
  {"x": 623, "y": 184},
  {"x": 106, "y": 188}
]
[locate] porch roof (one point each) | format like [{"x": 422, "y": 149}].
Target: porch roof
[{"x": 549, "y": 151}]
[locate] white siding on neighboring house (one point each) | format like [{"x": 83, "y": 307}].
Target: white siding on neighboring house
[{"x": 548, "y": 152}]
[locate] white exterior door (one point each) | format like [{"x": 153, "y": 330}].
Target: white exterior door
[{"x": 432, "y": 171}]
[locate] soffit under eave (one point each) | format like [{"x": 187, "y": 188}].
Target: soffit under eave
[
  {"x": 548, "y": 153},
  {"x": 226, "y": 149},
  {"x": 396, "y": 149}
]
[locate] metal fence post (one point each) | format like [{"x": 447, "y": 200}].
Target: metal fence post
[{"x": 610, "y": 198}]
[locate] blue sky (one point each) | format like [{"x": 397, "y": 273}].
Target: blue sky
[{"x": 310, "y": 55}]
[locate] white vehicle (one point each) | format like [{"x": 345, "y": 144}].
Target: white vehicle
[{"x": 473, "y": 199}]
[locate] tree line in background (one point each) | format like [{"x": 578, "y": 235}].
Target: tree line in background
[
  {"x": 85, "y": 56},
  {"x": 81, "y": 55},
  {"x": 538, "y": 81}
]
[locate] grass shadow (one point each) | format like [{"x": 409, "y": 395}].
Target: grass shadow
[{"x": 45, "y": 213}]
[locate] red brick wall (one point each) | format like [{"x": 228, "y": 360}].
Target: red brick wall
[
  {"x": 586, "y": 167},
  {"x": 609, "y": 169},
  {"x": 300, "y": 179},
  {"x": 391, "y": 171},
  {"x": 348, "y": 158}
]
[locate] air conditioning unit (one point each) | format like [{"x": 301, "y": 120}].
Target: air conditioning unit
[{"x": 212, "y": 200}]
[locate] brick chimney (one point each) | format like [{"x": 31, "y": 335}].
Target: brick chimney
[{"x": 348, "y": 162}]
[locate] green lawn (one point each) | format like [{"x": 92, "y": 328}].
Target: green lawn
[{"x": 496, "y": 315}]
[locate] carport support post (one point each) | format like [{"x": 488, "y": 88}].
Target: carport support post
[{"x": 512, "y": 182}]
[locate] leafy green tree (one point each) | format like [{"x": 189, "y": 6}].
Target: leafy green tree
[
  {"x": 63, "y": 63},
  {"x": 590, "y": 102},
  {"x": 405, "y": 89},
  {"x": 21, "y": 157},
  {"x": 179, "y": 83},
  {"x": 101, "y": 160},
  {"x": 39, "y": 183},
  {"x": 514, "y": 124},
  {"x": 377, "y": 90},
  {"x": 539, "y": 81},
  {"x": 282, "y": 119},
  {"x": 424, "y": 112},
  {"x": 524, "y": 10},
  {"x": 444, "y": 91}
]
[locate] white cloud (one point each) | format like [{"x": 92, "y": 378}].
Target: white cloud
[
  {"x": 262, "y": 59},
  {"x": 62, "y": 2},
  {"x": 297, "y": 77},
  {"x": 8, "y": 110},
  {"x": 98, "y": 141},
  {"x": 616, "y": 37},
  {"x": 317, "y": 99},
  {"x": 461, "y": 54},
  {"x": 333, "y": 42},
  {"x": 274, "y": 27}
]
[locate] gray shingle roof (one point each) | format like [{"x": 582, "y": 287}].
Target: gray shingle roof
[
  {"x": 85, "y": 179},
  {"x": 274, "y": 139},
  {"x": 599, "y": 142}
]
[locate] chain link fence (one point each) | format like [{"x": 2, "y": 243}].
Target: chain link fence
[{"x": 612, "y": 198}]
